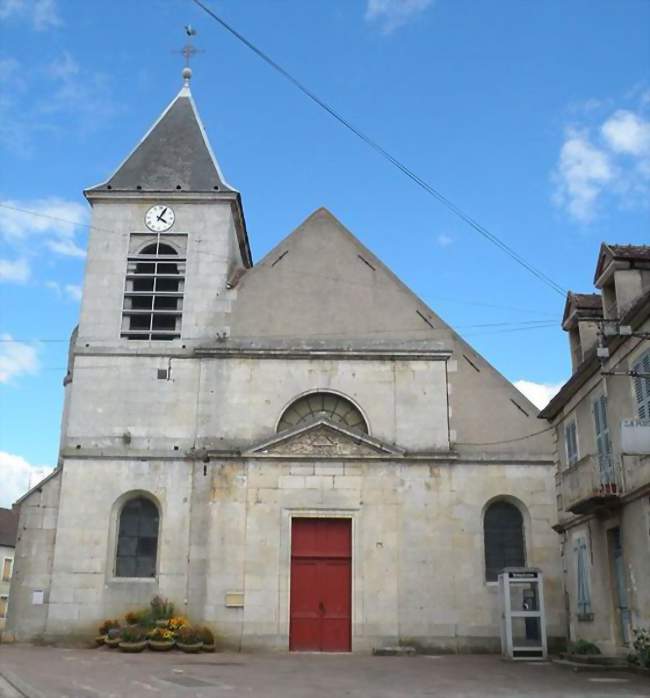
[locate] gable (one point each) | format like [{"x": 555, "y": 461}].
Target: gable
[
  {"x": 320, "y": 284},
  {"x": 323, "y": 439},
  {"x": 321, "y": 287}
]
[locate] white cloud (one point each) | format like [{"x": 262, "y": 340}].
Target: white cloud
[
  {"x": 67, "y": 248},
  {"x": 53, "y": 220},
  {"x": 582, "y": 172},
  {"x": 16, "y": 358},
  {"x": 53, "y": 97},
  {"x": 16, "y": 272},
  {"x": 627, "y": 132},
  {"x": 18, "y": 476},
  {"x": 71, "y": 291},
  {"x": 64, "y": 67},
  {"x": 538, "y": 393},
  {"x": 42, "y": 14},
  {"x": 444, "y": 240},
  {"x": 392, "y": 14},
  {"x": 604, "y": 162}
]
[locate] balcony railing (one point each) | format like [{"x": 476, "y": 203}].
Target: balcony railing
[{"x": 593, "y": 483}]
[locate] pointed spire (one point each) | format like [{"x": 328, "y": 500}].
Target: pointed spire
[{"x": 174, "y": 155}]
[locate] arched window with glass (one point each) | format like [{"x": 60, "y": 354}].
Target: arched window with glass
[
  {"x": 323, "y": 405},
  {"x": 503, "y": 530},
  {"x": 137, "y": 539},
  {"x": 153, "y": 296}
]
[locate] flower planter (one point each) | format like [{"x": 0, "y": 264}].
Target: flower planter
[
  {"x": 208, "y": 647},
  {"x": 190, "y": 648},
  {"x": 161, "y": 645},
  {"x": 99, "y": 640},
  {"x": 162, "y": 623},
  {"x": 112, "y": 642},
  {"x": 132, "y": 646}
]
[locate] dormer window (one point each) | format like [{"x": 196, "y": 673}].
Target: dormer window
[{"x": 153, "y": 296}]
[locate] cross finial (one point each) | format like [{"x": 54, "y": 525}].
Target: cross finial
[{"x": 188, "y": 51}]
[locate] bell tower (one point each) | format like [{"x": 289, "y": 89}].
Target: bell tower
[{"x": 167, "y": 233}]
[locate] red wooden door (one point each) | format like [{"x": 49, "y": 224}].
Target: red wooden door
[{"x": 321, "y": 585}]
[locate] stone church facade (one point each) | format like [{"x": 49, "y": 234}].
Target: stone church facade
[{"x": 298, "y": 452}]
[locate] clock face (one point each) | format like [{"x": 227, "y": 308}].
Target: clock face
[{"x": 159, "y": 218}]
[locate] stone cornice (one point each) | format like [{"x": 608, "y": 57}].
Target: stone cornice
[{"x": 334, "y": 353}]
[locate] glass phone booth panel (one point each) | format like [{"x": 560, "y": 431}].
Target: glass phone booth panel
[{"x": 523, "y": 622}]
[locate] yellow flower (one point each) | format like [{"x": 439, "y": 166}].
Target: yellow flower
[{"x": 177, "y": 622}]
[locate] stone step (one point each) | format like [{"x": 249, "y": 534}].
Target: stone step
[
  {"x": 399, "y": 651},
  {"x": 592, "y": 666}
]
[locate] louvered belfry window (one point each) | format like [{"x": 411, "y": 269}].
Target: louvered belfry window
[
  {"x": 137, "y": 542},
  {"x": 504, "y": 539},
  {"x": 642, "y": 386},
  {"x": 153, "y": 297}
]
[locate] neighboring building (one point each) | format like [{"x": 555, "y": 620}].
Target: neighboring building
[
  {"x": 8, "y": 529},
  {"x": 602, "y": 426},
  {"x": 298, "y": 452}
]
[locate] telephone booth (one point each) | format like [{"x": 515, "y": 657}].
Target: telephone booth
[{"x": 523, "y": 622}]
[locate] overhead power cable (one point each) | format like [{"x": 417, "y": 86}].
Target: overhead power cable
[
  {"x": 461, "y": 301},
  {"x": 482, "y": 230},
  {"x": 506, "y": 441}
]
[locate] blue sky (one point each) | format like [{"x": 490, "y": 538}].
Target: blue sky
[{"x": 533, "y": 117}]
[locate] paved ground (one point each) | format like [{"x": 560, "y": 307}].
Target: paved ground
[{"x": 101, "y": 673}]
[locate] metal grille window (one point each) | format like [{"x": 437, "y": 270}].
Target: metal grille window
[
  {"x": 571, "y": 442},
  {"x": 582, "y": 578},
  {"x": 503, "y": 530},
  {"x": 153, "y": 297},
  {"x": 642, "y": 386},
  {"x": 137, "y": 542},
  {"x": 315, "y": 406}
]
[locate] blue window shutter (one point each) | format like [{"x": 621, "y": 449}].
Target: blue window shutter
[
  {"x": 642, "y": 387},
  {"x": 571, "y": 443},
  {"x": 583, "y": 586},
  {"x": 603, "y": 443}
]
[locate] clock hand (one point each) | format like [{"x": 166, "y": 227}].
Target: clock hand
[{"x": 160, "y": 217}]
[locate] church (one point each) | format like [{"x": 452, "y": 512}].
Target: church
[{"x": 298, "y": 451}]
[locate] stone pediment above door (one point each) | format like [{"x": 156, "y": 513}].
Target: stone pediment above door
[{"x": 324, "y": 439}]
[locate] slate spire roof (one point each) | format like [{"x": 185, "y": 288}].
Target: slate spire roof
[{"x": 174, "y": 155}]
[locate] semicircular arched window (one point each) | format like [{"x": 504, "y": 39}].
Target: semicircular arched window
[
  {"x": 310, "y": 408},
  {"x": 137, "y": 542},
  {"x": 503, "y": 528}
]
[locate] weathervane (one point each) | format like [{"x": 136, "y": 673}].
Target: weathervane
[{"x": 188, "y": 51}]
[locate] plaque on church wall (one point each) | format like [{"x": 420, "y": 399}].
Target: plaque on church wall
[
  {"x": 235, "y": 599},
  {"x": 38, "y": 597}
]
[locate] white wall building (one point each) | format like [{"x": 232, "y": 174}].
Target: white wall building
[
  {"x": 602, "y": 421},
  {"x": 8, "y": 525},
  {"x": 298, "y": 452}
]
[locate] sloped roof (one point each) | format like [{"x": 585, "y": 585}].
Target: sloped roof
[
  {"x": 174, "y": 155},
  {"x": 8, "y": 527},
  {"x": 624, "y": 253},
  {"x": 635, "y": 316},
  {"x": 583, "y": 305}
]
